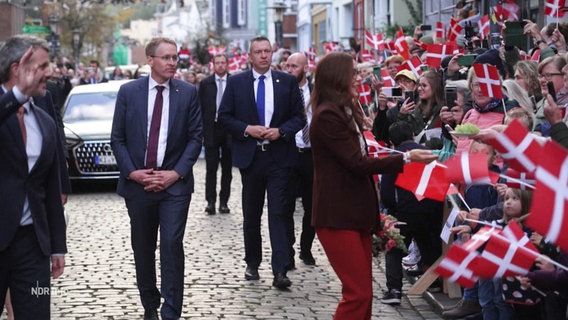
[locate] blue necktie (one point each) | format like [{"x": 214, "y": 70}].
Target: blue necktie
[{"x": 260, "y": 100}]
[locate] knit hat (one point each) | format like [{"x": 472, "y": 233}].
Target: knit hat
[
  {"x": 405, "y": 73},
  {"x": 493, "y": 58},
  {"x": 427, "y": 40},
  {"x": 545, "y": 53}
]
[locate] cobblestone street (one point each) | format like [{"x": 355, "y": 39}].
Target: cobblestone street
[{"x": 99, "y": 280}]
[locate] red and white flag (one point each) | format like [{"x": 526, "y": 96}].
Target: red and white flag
[
  {"x": 401, "y": 45},
  {"x": 311, "y": 53},
  {"x": 215, "y": 50},
  {"x": 235, "y": 63},
  {"x": 457, "y": 266},
  {"x": 481, "y": 237},
  {"x": 526, "y": 177},
  {"x": 548, "y": 214},
  {"x": 440, "y": 30},
  {"x": 375, "y": 41},
  {"x": 536, "y": 55},
  {"x": 504, "y": 258},
  {"x": 364, "y": 93},
  {"x": 388, "y": 81},
  {"x": 375, "y": 148},
  {"x": 412, "y": 65},
  {"x": 514, "y": 233},
  {"x": 553, "y": 8},
  {"x": 330, "y": 46},
  {"x": 483, "y": 25},
  {"x": 489, "y": 80},
  {"x": 454, "y": 31},
  {"x": 424, "y": 180},
  {"x": 518, "y": 147},
  {"x": 470, "y": 168},
  {"x": 367, "y": 55},
  {"x": 436, "y": 52}
]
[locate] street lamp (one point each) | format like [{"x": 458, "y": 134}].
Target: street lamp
[
  {"x": 279, "y": 8},
  {"x": 53, "y": 20},
  {"x": 76, "y": 41}
]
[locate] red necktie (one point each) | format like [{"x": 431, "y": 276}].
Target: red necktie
[
  {"x": 21, "y": 112},
  {"x": 152, "y": 151}
]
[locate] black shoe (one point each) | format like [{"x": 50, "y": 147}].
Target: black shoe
[
  {"x": 251, "y": 274},
  {"x": 307, "y": 258},
  {"x": 391, "y": 297},
  {"x": 151, "y": 314},
  {"x": 210, "y": 209},
  {"x": 281, "y": 281},
  {"x": 223, "y": 208}
]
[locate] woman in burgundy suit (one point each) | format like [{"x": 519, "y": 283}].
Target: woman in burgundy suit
[{"x": 345, "y": 202}]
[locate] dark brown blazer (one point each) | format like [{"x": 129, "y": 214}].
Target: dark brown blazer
[{"x": 344, "y": 193}]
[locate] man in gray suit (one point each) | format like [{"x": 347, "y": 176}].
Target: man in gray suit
[
  {"x": 32, "y": 223},
  {"x": 156, "y": 138}
]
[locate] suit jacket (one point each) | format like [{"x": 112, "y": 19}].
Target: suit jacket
[
  {"x": 344, "y": 193},
  {"x": 208, "y": 101},
  {"x": 130, "y": 131},
  {"x": 238, "y": 110},
  {"x": 41, "y": 184}
]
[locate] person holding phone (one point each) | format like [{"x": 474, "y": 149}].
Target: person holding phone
[
  {"x": 550, "y": 77},
  {"x": 386, "y": 115}
]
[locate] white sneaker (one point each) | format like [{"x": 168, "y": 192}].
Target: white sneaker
[{"x": 413, "y": 255}]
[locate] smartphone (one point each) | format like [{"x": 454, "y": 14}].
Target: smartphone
[
  {"x": 551, "y": 91},
  {"x": 515, "y": 36},
  {"x": 426, "y": 27},
  {"x": 466, "y": 60},
  {"x": 377, "y": 72},
  {"x": 451, "y": 96},
  {"x": 409, "y": 95},
  {"x": 392, "y": 92},
  {"x": 424, "y": 68}
]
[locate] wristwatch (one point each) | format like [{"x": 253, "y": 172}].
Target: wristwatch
[
  {"x": 538, "y": 42},
  {"x": 282, "y": 133}
]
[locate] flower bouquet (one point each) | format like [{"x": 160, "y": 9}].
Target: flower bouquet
[{"x": 388, "y": 236}]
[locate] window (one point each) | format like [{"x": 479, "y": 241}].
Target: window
[
  {"x": 241, "y": 13},
  {"x": 226, "y": 14}
]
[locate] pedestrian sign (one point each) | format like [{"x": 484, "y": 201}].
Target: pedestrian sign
[{"x": 36, "y": 29}]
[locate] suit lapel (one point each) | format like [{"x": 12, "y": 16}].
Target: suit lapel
[
  {"x": 14, "y": 129},
  {"x": 276, "y": 90},
  {"x": 174, "y": 103},
  {"x": 143, "y": 113}
]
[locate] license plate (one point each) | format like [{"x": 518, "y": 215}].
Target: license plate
[{"x": 105, "y": 160}]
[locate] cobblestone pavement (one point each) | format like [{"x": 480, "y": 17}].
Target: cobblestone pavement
[{"x": 99, "y": 280}]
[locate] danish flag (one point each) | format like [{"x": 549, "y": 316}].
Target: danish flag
[
  {"x": 526, "y": 177},
  {"x": 215, "y": 50},
  {"x": 375, "y": 41},
  {"x": 330, "y": 46},
  {"x": 483, "y": 25},
  {"x": 457, "y": 266},
  {"x": 470, "y": 168},
  {"x": 367, "y": 55},
  {"x": 454, "y": 31},
  {"x": 518, "y": 147},
  {"x": 364, "y": 93},
  {"x": 388, "y": 81},
  {"x": 311, "y": 53},
  {"x": 235, "y": 63},
  {"x": 536, "y": 55},
  {"x": 375, "y": 148},
  {"x": 554, "y": 8},
  {"x": 548, "y": 214},
  {"x": 424, "y": 180},
  {"x": 412, "y": 65},
  {"x": 489, "y": 80},
  {"x": 481, "y": 237},
  {"x": 440, "y": 30},
  {"x": 401, "y": 45},
  {"x": 436, "y": 52},
  {"x": 503, "y": 257},
  {"x": 507, "y": 11}
]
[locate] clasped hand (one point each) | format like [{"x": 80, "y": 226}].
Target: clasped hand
[
  {"x": 263, "y": 133},
  {"x": 154, "y": 180}
]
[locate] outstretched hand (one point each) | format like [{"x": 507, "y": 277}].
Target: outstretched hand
[
  {"x": 421, "y": 155},
  {"x": 29, "y": 74}
]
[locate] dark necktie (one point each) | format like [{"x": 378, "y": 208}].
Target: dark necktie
[
  {"x": 306, "y": 128},
  {"x": 260, "y": 100},
  {"x": 152, "y": 151},
  {"x": 21, "y": 112}
]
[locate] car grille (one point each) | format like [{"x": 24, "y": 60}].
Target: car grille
[{"x": 86, "y": 154}]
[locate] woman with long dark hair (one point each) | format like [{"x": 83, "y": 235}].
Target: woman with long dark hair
[{"x": 345, "y": 203}]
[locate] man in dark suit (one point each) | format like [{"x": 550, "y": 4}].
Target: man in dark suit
[
  {"x": 32, "y": 223},
  {"x": 156, "y": 138},
  {"x": 297, "y": 65},
  {"x": 263, "y": 110},
  {"x": 215, "y": 137}
]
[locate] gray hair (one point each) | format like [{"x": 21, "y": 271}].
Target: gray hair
[{"x": 13, "y": 50}]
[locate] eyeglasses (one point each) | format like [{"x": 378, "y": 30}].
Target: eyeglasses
[
  {"x": 549, "y": 76},
  {"x": 173, "y": 58}
]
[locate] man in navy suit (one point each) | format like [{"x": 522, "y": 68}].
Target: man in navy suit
[
  {"x": 32, "y": 223},
  {"x": 263, "y": 110},
  {"x": 156, "y": 138},
  {"x": 216, "y": 139}
]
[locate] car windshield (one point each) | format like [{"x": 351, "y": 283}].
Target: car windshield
[{"x": 90, "y": 106}]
